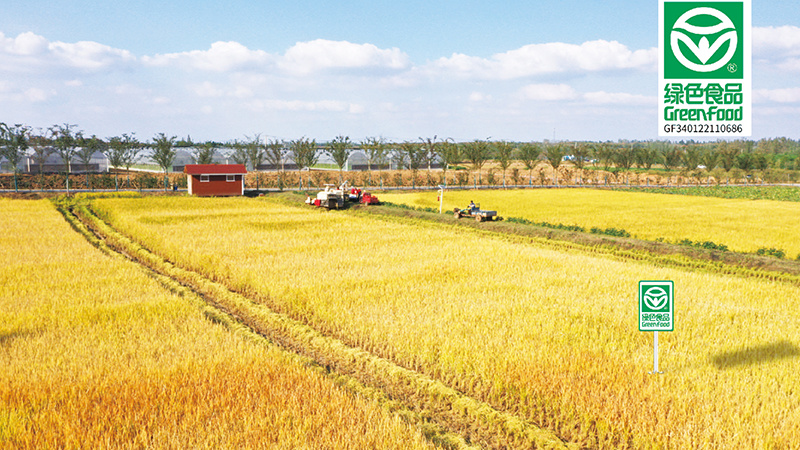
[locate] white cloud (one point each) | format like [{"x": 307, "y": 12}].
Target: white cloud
[
  {"x": 789, "y": 95},
  {"x": 564, "y": 92},
  {"x": 36, "y": 95},
  {"x": 549, "y": 92},
  {"x": 783, "y": 40},
  {"x": 208, "y": 89},
  {"x": 89, "y": 55},
  {"x": 619, "y": 98},
  {"x": 778, "y": 46},
  {"x": 29, "y": 51},
  {"x": 220, "y": 57},
  {"x": 321, "y": 54},
  {"x": 300, "y": 105},
  {"x": 550, "y": 58},
  {"x": 479, "y": 97},
  {"x": 25, "y": 44},
  {"x": 355, "y": 108}
]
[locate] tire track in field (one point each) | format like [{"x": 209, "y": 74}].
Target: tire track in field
[{"x": 426, "y": 402}]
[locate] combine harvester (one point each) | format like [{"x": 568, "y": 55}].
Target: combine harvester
[{"x": 334, "y": 198}]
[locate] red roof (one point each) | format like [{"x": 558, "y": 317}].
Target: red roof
[{"x": 214, "y": 169}]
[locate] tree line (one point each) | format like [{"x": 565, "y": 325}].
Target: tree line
[{"x": 72, "y": 145}]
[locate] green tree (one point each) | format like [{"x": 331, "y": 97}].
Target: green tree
[
  {"x": 605, "y": 153},
  {"x": 416, "y": 157},
  {"x": 339, "y": 150},
  {"x": 115, "y": 152},
  {"x": 529, "y": 155},
  {"x": 554, "y": 153},
  {"x": 42, "y": 149},
  {"x": 88, "y": 148},
  {"x": 581, "y": 153},
  {"x": 691, "y": 157},
  {"x": 163, "y": 153},
  {"x": 305, "y": 154},
  {"x": 399, "y": 157},
  {"x": 431, "y": 148},
  {"x": 239, "y": 153},
  {"x": 670, "y": 155},
  {"x": 449, "y": 154},
  {"x": 375, "y": 149},
  {"x": 710, "y": 159},
  {"x": 647, "y": 155},
  {"x": 727, "y": 154},
  {"x": 133, "y": 150},
  {"x": 746, "y": 162},
  {"x": 275, "y": 155},
  {"x": 256, "y": 154},
  {"x": 503, "y": 152},
  {"x": 477, "y": 153},
  {"x": 624, "y": 157},
  {"x": 13, "y": 145},
  {"x": 65, "y": 139},
  {"x": 762, "y": 161},
  {"x": 204, "y": 153}
]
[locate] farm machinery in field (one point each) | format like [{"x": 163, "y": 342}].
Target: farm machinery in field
[
  {"x": 333, "y": 197},
  {"x": 475, "y": 212}
]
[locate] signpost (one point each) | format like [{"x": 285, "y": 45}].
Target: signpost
[{"x": 656, "y": 311}]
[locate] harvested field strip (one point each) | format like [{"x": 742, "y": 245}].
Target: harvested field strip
[
  {"x": 478, "y": 422},
  {"x": 96, "y": 354}
]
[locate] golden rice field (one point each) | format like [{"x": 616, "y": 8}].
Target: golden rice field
[
  {"x": 742, "y": 225},
  {"x": 549, "y": 335},
  {"x": 94, "y": 353}
]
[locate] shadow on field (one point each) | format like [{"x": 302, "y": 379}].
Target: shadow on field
[
  {"x": 756, "y": 355},
  {"x": 8, "y": 336}
]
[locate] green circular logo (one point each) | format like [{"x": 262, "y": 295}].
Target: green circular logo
[
  {"x": 656, "y": 298},
  {"x": 701, "y": 53}
]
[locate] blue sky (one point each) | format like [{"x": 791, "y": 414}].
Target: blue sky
[{"x": 515, "y": 70}]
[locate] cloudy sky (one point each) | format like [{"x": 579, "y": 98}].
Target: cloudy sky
[{"x": 220, "y": 70}]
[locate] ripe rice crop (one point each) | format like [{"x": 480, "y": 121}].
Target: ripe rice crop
[
  {"x": 781, "y": 193},
  {"x": 549, "y": 335},
  {"x": 741, "y": 225},
  {"x": 96, "y": 354}
]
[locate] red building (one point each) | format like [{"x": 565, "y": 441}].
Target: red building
[{"x": 215, "y": 179}]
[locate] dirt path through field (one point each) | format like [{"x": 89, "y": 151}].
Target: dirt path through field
[{"x": 448, "y": 417}]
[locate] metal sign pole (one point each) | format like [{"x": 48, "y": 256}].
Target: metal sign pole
[{"x": 655, "y": 353}]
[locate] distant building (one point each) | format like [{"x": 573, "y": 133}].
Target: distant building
[
  {"x": 215, "y": 179},
  {"x": 98, "y": 163}
]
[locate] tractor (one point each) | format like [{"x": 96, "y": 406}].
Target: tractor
[
  {"x": 369, "y": 199},
  {"x": 475, "y": 211}
]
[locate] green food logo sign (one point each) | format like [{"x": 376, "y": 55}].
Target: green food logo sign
[
  {"x": 656, "y": 305},
  {"x": 704, "y": 70}
]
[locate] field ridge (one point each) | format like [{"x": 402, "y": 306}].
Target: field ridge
[{"x": 424, "y": 401}]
